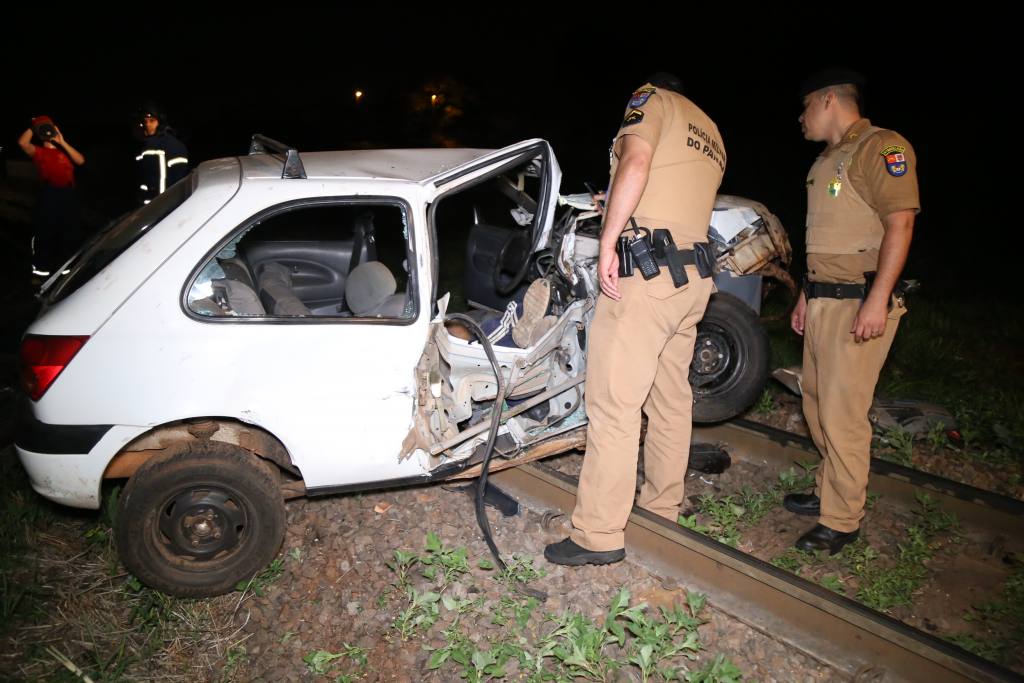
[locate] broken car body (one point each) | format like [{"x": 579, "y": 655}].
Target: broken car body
[{"x": 279, "y": 320}]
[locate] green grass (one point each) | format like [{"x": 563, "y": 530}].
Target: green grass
[
  {"x": 882, "y": 582},
  {"x": 575, "y": 646},
  {"x": 566, "y": 646},
  {"x": 896, "y": 445},
  {"x": 960, "y": 354},
  {"x": 967, "y": 358},
  {"x": 729, "y": 515},
  {"x": 66, "y": 604},
  {"x": 1001, "y": 622},
  {"x": 322, "y": 662}
]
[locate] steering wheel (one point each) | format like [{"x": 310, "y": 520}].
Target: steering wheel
[{"x": 514, "y": 258}]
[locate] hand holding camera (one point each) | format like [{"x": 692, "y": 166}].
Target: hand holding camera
[{"x": 45, "y": 130}]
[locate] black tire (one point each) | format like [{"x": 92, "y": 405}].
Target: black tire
[
  {"x": 730, "y": 360},
  {"x": 197, "y": 519}
]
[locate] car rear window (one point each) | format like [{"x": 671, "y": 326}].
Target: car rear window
[{"x": 110, "y": 242}]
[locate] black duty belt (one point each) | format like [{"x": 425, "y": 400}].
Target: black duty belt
[
  {"x": 833, "y": 290},
  {"x": 647, "y": 251},
  {"x": 688, "y": 257}
]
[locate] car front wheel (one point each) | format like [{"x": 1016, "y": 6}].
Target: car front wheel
[
  {"x": 199, "y": 518},
  {"x": 730, "y": 360}
]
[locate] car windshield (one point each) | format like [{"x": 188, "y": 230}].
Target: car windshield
[{"x": 110, "y": 242}]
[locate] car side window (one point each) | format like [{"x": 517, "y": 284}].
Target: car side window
[{"x": 344, "y": 260}]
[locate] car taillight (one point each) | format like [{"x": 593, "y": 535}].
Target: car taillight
[{"x": 43, "y": 357}]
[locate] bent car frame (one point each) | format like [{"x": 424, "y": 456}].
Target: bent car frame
[{"x": 274, "y": 326}]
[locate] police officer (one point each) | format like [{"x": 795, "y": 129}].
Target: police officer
[
  {"x": 862, "y": 199},
  {"x": 163, "y": 159},
  {"x": 667, "y": 164}
]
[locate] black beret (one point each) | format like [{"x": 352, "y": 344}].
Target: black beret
[{"x": 832, "y": 76}]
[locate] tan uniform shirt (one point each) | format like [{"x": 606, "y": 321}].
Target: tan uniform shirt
[
  {"x": 871, "y": 173},
  {"x": 687, "y": 167}
]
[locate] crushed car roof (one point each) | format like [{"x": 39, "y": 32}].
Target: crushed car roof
[{"x": 415, "y": 165}]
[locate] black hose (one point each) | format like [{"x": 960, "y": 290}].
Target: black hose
[{"x": 492, "y": 435}]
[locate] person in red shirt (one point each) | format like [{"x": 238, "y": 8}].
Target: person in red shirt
[{"x": 55, "y": 219}]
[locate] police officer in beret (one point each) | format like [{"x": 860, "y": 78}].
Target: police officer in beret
[
  {"x": 862, "y": 199},
  {"x": 667, "y": 164}
]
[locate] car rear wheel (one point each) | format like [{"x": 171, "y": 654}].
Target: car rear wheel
[
  {"x": 199, "y": 518},
  {"x": 730, "y": 360}
]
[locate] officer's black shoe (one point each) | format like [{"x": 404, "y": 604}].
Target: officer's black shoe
[
  {"x": 823, "y": 538},
  {"x": 802, "y": 504},
  {"x": 570, "y": 553}
]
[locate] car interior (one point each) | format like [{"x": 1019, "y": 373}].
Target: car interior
[{"x": 345, "y": 260}]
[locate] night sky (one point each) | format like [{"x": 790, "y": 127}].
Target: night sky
[{"x": 506, "y": 75}]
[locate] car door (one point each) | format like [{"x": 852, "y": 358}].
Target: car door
[
  {"x": 432, "y": 425},
  {"x": 525, "y": 177}
]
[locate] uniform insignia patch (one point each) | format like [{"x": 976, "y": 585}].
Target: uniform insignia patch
[
  {"x": 634, "y": 116},
  {"x": 641, "y": 96},
  {"x": 836, "y": 184},
  {"x": 895, "y": 160}
]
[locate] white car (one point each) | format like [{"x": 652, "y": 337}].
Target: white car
[{"x": 272, "y": 326}]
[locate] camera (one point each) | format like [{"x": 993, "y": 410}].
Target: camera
[{"x": 46, "y": 131}]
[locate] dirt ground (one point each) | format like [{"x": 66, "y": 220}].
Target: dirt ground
[{"x": 333, "y": 607}]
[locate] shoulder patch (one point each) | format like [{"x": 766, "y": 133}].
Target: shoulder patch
[
  {"x": 634, "y": 116},
  {"x": 895, "y": 160},
  {"x": 641, "y": 96}
]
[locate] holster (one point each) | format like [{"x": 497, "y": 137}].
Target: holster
[{"x": 665, "y": 248}]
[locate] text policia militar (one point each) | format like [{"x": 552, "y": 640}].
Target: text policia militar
[{"x": 710, "y": 146}]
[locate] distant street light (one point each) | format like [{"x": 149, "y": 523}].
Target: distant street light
[
  {"x": 433, "y": 100},
  {"x": 359, "y": 96}
]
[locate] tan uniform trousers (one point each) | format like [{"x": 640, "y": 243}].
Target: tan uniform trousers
[
  {"x": 838, "y": 384},
  {"x": 638, "y": 357}
]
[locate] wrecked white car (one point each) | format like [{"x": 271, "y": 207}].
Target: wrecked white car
[{"x": 274, "y": 326}]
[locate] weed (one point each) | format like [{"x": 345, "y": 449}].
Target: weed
[
  {"x": 630, "y": 637},
  {"x": 1001, "y": 621},
  {"x": 833, "y": 583},
  {"x": 729, "y": 513},
  {"x": 884, "y": 585},
  {"x": 792, "y": 480},
  {"x": 261, "y": 582},
  {"x": 719, "y": 670},
  {"x": 691, "y": 522},
  {"x": 443, "y": 564},
  {"x": 792, "y": 560},
  {"x": 520, "y": 569},
  {"x": 321, "y": 662},
  {"x": 460, "y": 606},
  {"x": 898, "y": 446},
  {"x": 521, "y": 611},
  {"x": 477, "y": 664},
  {"x": 402, "y": 565},
  {"x": 937, "y": 439},
  {"x": 725, "y": 515},
  {"x": 421, "y": 613},
  {"x": 765, "y": 402},
  {"x": 235, "y": 657}
]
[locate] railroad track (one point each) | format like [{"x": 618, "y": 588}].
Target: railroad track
[{"x": 861, "y": 643}]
